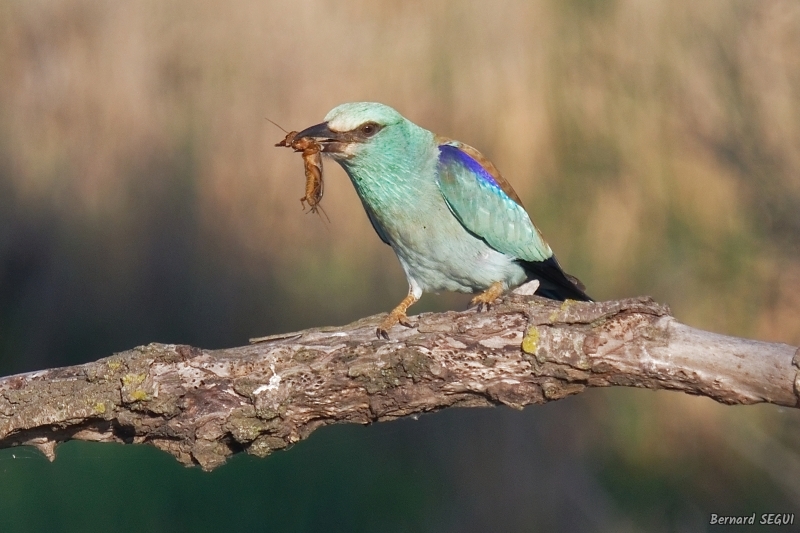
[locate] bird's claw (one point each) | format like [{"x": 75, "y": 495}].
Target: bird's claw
[
  {"x": 485, "y": 300},
  {"x": 404, "y": 321},
  {"x": 480, "y": 307},
  {"x": 391, "y": 320}
]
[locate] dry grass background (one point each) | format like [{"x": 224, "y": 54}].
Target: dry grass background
[{"x": 657, "y": 145}]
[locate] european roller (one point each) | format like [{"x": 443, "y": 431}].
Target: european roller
[{"x": 454, "y": 222}]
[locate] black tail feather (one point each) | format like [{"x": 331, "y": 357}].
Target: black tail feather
[{"x": 554, "y": 283}]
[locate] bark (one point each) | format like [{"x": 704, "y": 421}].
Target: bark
[{"x": 204, "y": 405}]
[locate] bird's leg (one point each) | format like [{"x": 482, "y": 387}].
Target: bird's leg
[
  {"x": 488, "y": 297},
  {"x": 397, "y": 316}
]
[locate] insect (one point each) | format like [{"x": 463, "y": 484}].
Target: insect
[{"x": 312, "y": 163}]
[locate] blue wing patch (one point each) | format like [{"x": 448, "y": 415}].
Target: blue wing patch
[
  {"x": 485, "y": 203},
  {"x": 450, "y": 155}
]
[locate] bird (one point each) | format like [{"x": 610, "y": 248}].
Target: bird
[{"x": 453, "y": 221}]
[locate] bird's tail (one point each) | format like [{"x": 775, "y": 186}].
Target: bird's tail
[{"x": 554, "y": 283}]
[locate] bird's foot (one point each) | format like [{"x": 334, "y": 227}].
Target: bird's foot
[
  {"x": 396, "y": 316},
  {"x": 488, "y": 297},
  {"x": 392, "y": 319}
]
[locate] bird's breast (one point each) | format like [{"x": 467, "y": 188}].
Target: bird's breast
[{"x": 434, "y": 248}]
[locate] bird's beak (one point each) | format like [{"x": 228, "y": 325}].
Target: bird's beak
[{"x": 332, "y": 142}]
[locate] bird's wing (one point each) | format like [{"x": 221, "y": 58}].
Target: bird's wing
[{"x": 485, "y": 203}]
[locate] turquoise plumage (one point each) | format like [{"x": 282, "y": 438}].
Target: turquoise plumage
[
  {"x": 453, "y": 221},
  {"x": 482, "y": 206}
]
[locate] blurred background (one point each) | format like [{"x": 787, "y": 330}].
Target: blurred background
[{"x": 656, "y": 144}]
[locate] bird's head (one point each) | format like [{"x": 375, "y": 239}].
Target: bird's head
[{"x": 360, "y": 131}]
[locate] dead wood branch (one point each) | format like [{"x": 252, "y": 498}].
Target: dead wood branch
[{"x": 204, "y": 405}]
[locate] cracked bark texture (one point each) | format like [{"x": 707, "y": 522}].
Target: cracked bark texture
[{"x": 204, "y": 405}]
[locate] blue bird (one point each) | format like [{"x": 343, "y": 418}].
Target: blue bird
[{"x": 454, "y": 222}]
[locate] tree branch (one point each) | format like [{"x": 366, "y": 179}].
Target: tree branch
[{"x": 204, "y": 405}]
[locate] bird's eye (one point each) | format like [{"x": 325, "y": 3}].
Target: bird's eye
[{"x": 369, "y": 129}]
